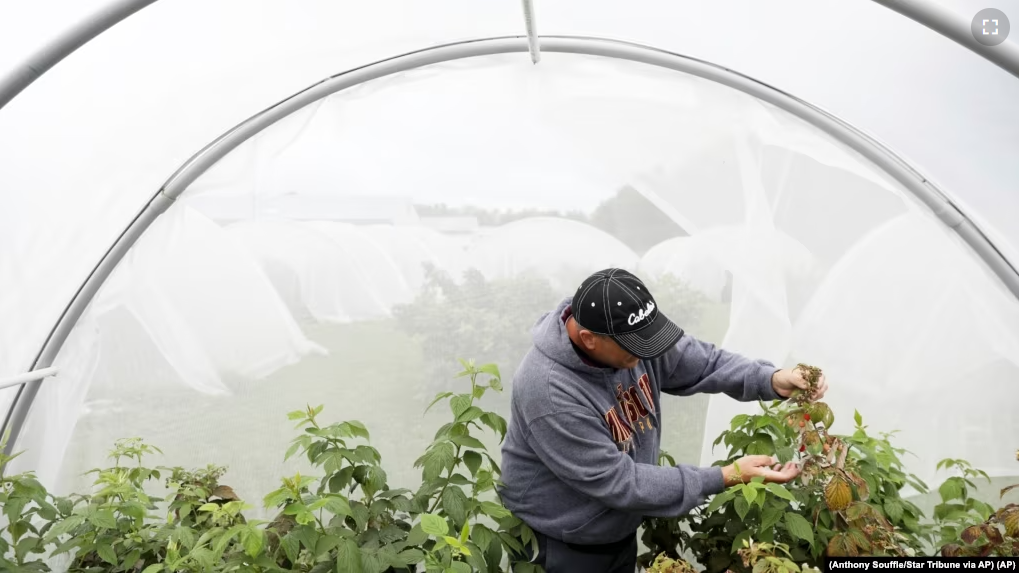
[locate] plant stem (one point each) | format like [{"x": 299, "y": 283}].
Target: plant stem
[
  {"x": 456, "y": 461},
  {"x": 456, "y": 457}
]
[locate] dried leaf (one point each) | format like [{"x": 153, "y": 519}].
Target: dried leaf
[
  {"x": 993, "y": 534},
  {"x": 857, "y": 510},
  {"x": 971, "y": 534},
  {"x": 225, "y": 492},
  {"x": 859, "y": 539},
  {"x": 861, "y": 485},
  {"x": 837, "y": 494},
  {"x": 843, "y": 453},
  {"x": 1010, "y": 518},
  {"x": 951, "y": 550},
  {"x": 841, "y": 545}
]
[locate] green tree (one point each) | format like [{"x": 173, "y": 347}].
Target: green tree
[{"x": 631, "y": 218}]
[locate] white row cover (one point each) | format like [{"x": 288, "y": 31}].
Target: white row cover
[{"x": 246, "y": 289}]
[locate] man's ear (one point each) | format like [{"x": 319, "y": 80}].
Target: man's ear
[{"x": 589, "y": 339}]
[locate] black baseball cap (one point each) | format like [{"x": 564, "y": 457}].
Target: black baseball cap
[{"x": 616, "y": 303}]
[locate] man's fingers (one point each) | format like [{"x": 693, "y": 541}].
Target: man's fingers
[
  {"x": 759, "y": 460},
  {"x": 790, "y": 471},
  {"x": 822, "y": 388}
]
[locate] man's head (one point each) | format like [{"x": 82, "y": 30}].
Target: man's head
[{"x": 617, "y": 321}]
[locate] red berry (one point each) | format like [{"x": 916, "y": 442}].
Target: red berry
[
  {"x": 806, "y": 417},
  {"x": 803, "y": 447}
]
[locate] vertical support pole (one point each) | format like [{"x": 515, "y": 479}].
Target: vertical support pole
[{"x": 532, "y": 31}]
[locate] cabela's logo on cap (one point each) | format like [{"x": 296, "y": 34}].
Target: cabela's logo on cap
[{"x": 643, "y": 314}]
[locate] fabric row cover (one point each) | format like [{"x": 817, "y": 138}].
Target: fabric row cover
[{"x": 284, "y": 275}]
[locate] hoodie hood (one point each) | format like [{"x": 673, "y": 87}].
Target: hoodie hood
[{"x": 553, "y": 340}]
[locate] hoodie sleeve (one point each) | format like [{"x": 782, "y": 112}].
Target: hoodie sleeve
[
  {"x": 693, "y": 366},
  {"x": 579, "y": 450}
]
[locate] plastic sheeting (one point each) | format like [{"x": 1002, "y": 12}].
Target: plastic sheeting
[
  {"x": 832, "y": 262},
  {"x": 686, "y": 257},
  {"x": 559, "y": 250},
  {"x": 115, "y": 152}
]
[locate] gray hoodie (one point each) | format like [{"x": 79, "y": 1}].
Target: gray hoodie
[{"x": 580, "y": 460}]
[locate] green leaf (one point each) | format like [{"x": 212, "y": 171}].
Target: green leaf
[
  {"x": 65, "y": 506},
  {"x": 951, "y": 489},
  {"x": 348, "y": 558},
  {"x": 467, "y": 441},
  {"x": 750, "y": 493},
  {"x": 496, "y": 423},
  {"x": 153, "y": 568},
  {"x": 482, "y": 536},
  {"x": 411, "y": 557},
  {"x": 253, "y": 540},
  {"x": 435, "y": 460},
  {"x": 771, "y": 516},
  {"x": 105, "y": 551},
  {"x": 473, "y": 461},
  {"x": 417, "y": 535},
  {"x": 469, "y": 414},
  {"x": 893, "y": 509},
  {"x": 799, "y": 527},
  {"x": 337, "y": 505},
  {"x": 780, "y": 491},
  {"x": 718, "y": 500},
  {"x": 490, "y": 369},
  {"x": 495, "y": 510},
  {"x": 128, "y": 563},
  {"x": 434, "y": 524},
  {"x": 103, "y": 519},
  {"x": 761, "y": 444},
  {"x": 359, "y": 512},
  {"x": 857, "y": 418},
  {"x": 358, "y": 429},
  {"x": 291, "y": 451},
  {"x": 476, "y": 558},
  {"x": 742, "y": 507},
  {"x": 454, "y": 502},
  {"x": 458, "y": 566},
  {"x": 737, "y": 542},
  {"x": 64, "y": 527},
  {"x": 459, "y": 405},
  {"x": 738, "y": 421},
  {"x": 510, "y": 541},
  {"x": 443, "y": 432}
]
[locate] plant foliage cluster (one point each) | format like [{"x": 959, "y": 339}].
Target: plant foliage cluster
[
  {"x": 846, "y": 502},
  {"x": 348, "y": 518}
]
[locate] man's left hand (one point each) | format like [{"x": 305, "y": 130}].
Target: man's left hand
[{"x": 788, "y": 380}]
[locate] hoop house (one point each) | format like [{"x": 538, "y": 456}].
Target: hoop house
[{"x": 217, "y": 211}]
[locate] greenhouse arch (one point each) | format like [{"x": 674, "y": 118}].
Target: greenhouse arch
[
  {"x": 202, "y": 161},
  {"x": 955, "y": 217}
]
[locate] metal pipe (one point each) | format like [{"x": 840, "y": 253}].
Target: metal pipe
[
  {"x": 915, "y": 183},
  {"x": 37, "y": 375},
  {"x": 532, "y": 31},
  {"x": 22, "y": 404},
  {"x": 50, "y": 55},
  {"x": 956, "y": 28}
]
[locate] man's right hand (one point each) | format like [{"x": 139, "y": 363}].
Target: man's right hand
[{"x": 759, "y": 465}]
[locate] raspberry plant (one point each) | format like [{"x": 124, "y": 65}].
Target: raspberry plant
[
  {"x": 845, "y": 503},
  {"x": 347, "y": 517}
]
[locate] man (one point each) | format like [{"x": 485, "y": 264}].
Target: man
[{"x": 580, "y": 460}]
